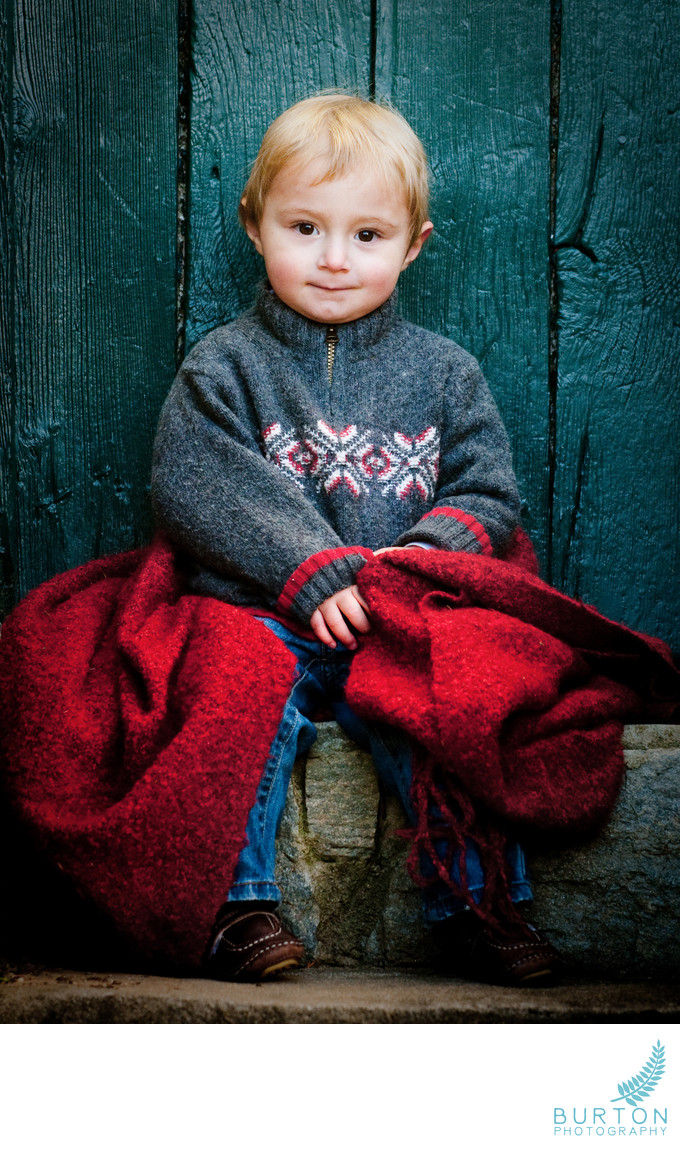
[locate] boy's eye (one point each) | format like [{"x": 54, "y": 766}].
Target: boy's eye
[
  {"x": 366, "y": 235},
  {"x": 305, "y": 228}
]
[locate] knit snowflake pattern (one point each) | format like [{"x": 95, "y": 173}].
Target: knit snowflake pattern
[{"x": 400, "y": 465}]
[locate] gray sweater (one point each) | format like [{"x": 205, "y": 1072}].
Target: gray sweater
[{"x": 288, "y": 451}]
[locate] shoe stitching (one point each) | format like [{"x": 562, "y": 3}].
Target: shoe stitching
[
  {"x": 250, "y": 960},
  {"x": 528, "y": 957},
  {"x": 542, "y": 951},
  {"x": 234, "y": 916},
  {"x": 221, "y": 940},
  {"x": 501, "y": 947},
  {"x": 249, "y": 945}
]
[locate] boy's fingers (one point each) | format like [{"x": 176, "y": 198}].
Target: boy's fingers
[
  {"x": 352, "y": 606},
  {"x": 356, "y": 593},
  {"x": 330, "y": 619},
  {"x": 320, "y": 629},
  {"x": 359, "y": 620},
  {"x": 336, "y": 623},
  {"x": 354, "y": 613}
]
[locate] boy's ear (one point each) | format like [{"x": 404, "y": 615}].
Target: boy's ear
[
  {"x": 417, "y": 245},
  {"x": 252, "y": 231}
]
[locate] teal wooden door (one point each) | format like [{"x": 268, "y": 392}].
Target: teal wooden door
[
  {"x": 552, "y": 130},
  {"x": 88, "y": 96}
]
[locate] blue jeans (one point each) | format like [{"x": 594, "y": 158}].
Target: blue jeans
[{"x": 320, "y": 678}]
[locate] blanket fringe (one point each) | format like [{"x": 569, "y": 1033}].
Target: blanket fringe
[{"x": 447, "y": 817}]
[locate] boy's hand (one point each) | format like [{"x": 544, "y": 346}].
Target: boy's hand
[{"x": 331, "y": 617}]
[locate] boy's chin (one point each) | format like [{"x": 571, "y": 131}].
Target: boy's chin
[{"x": 341, "y": 307}]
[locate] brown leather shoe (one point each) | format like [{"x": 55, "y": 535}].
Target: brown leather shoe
[
  {"x": 249, "y": 945},
  {"x": 477, "y": 951}
]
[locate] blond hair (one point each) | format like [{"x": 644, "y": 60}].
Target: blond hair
[{"x": 343, "y": 130}]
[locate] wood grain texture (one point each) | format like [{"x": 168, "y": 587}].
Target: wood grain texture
[
  {"x": 87, "y": 197},
  {"x": 472, "y": 79},
  {"x": 252, "y": 60},
  {"x": 7, "y": 372},
  {"x": 617, "y": 505},
  {"x": 93, "y": 181}
]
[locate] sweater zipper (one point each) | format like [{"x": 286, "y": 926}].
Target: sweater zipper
[{"x": 331, "y": 344}]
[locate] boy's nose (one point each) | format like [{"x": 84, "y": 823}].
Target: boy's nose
[{"x": 335, "y": 254}]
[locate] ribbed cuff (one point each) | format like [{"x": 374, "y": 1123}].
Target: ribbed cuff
[
  {"x": 320, "y": 576},
  {"x": 451, "y": 529}
]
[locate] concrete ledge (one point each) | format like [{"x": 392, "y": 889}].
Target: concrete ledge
[
  {"x": 321, "y": 996},
  {"x": 612, "y": 904}
]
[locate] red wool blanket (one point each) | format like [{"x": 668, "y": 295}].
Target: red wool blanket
[
  {"x": 136, "y": 719},
  {"x": 514, "y": 695}
]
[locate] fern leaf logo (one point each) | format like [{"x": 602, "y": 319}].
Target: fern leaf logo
[{"x": 646, "y": 1081}]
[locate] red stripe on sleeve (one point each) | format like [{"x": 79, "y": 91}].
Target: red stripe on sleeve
[
  {"x": 309, "y": 567},
  {"x": 467, "y": 521}
]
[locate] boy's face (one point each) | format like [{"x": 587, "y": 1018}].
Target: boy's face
[{"x": 334, "y": 250}]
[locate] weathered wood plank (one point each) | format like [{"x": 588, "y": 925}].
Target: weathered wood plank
[
  {"x": 617, "y": 504},
  {"x": 252, "y": 60},
  {"x": 94, "y": 185},
  {"x": 472, "y": 78},
  {"x": 7, "y": 374}
]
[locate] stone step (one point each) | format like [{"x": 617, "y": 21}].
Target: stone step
[
  {"x": 611, "y": 904},
  {"x": 322, "y": 996}
]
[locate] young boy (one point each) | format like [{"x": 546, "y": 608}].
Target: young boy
[{"x": 316, "y": 430}]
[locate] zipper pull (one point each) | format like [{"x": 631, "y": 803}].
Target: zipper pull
[{"x": 332, "y": 338}]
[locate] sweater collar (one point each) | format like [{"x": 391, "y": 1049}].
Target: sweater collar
[{"x": 304, "y": 334}]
